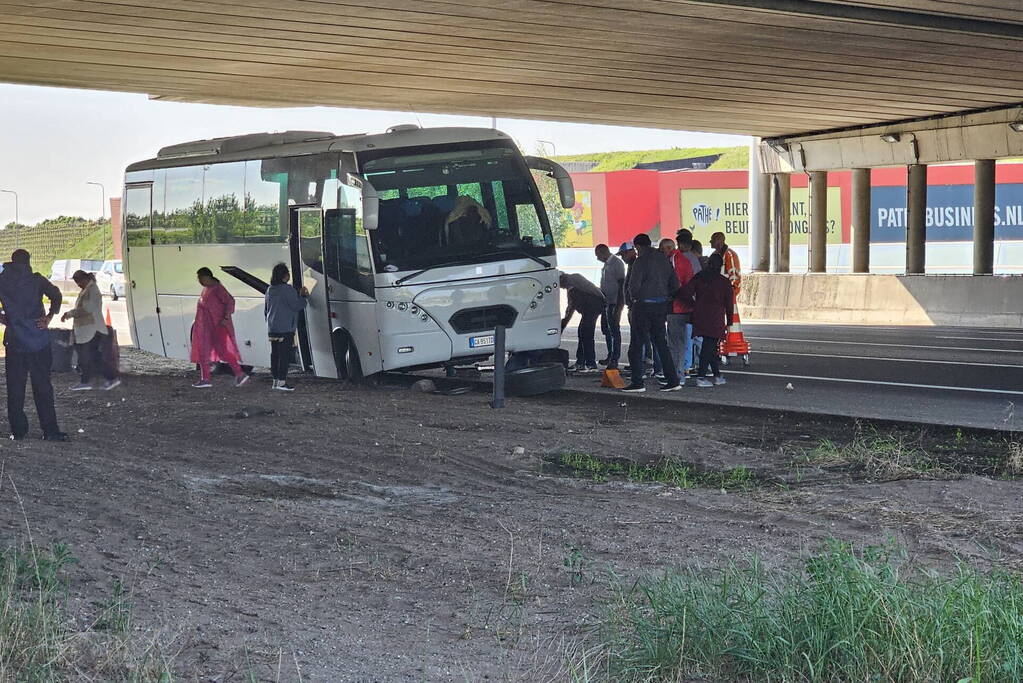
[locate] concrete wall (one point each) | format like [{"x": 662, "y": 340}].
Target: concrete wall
[{"x": 980, "y": 301}]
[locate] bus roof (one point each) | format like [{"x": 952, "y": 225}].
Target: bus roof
[{"x": 294, "y": 143}]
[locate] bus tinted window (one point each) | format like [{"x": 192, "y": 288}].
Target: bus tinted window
[{"x": 265, "y": 193}]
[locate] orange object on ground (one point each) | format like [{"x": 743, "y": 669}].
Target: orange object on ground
[
  {"x": 734, "y": 344},
  {"x": 612, "y": 378},
  {"x": 107, "y": 321}
]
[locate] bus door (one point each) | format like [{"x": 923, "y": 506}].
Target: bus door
[
  {"x": 144, "y": 309},
  {"x": 307, "y": 266}
]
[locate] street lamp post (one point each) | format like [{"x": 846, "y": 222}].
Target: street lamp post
[
  {"x": 102, "y": 211},
  {"x": 17, "y": 230}
]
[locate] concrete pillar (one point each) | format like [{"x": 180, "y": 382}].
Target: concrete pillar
[
  {"x": 759, "y": 185},
  {"x": 861, "y": 220},
  {"x": 782, "y": 223},
  {"x": 984, "y": 217},
  {"x": 818, "y": 260},
  {"x": 916, "y": 218}
]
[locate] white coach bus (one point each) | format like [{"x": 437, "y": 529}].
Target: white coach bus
[{"x": 414, "y": 244}]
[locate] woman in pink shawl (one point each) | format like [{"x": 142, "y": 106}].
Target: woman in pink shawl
[{"x": 213, "y": 333}]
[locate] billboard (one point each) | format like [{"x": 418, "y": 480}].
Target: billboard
[
  {"x": 706, "y": 211},
  {"x": 580, "y": 233},
  {"x": 949, "y": 213}
]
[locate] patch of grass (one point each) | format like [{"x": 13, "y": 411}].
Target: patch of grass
[
  {"x": 843, "y": 616},
  {"x": 882, "y": 456},
  {"x": 669, "y": 471},
  {"x": 39, "y": 640},
  {"x": 1014, "y": 461}
]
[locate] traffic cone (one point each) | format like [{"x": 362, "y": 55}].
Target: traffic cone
[
  {"x": 107, "y": 321},
  {"x": 612, "y": 378},
  {"x": 734, "y": 344}
]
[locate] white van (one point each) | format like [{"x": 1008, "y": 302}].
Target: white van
[{"x": 110, "y": 279}]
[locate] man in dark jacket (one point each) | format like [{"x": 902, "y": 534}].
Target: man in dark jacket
[
  {"x": 586, "y": 298},
  {"x": 27, "y": 342},
  {"x": 712, "y": 311},
  {"x": 652, "y": 284}
]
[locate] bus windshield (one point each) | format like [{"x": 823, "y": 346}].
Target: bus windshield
[{"x": 466, "y": 203}]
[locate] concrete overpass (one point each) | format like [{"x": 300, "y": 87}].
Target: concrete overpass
[{"x": 829, "y": 84}]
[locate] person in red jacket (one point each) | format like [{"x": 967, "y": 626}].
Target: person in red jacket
[
  {"x": 712, "y": 309},
  {"x": 681, "y": 308}
]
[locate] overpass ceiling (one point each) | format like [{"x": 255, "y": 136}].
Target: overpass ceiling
[{"x": 763, "y": 67}]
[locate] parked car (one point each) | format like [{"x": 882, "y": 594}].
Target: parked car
[
  {"x": 110, "y": 279},
  {"x": 63, "y": 269}
]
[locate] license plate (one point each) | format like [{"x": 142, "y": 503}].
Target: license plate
[{"x": 476, "y": 342}]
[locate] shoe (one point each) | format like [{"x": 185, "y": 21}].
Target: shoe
[
  {"x": 107, "y": 386},
  {"x": 703, "y": 383},
  {"x": 691, "y": 372},
  {"x": 673, "y": 387},
  {"x": 612, "y": 365},
  {"x": 659, "y": 375},
  {"x": 281, "y": 386},
  {"x": 56, "y": 436},
  {"x": 604, "y": 361},
  {"x": 17, "y": 437},
  {"x": 719, "y": 381},
  {"x": 241, "y": 379},
  {"x": 588, "y": 371},
  {"x": 634, "y": 389},
  {"x": 82, "y": 387},
  {"x": 202, "y": 384},
  {"x": 649, "y": 373}
]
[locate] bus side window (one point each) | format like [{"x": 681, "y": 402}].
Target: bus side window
[{"x": 347, "y": 250}]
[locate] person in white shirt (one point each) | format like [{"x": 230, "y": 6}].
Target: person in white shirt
[
  {"x": 612, "y": 284},
  {"x": 89, "y": 333}
]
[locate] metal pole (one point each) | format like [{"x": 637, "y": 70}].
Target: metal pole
[
  {"x": 499, "y": 354},
  {"x": 102, "y": 211},
  {"x": 861, "y": 220},
  {"x": 916, "y": 219},
  {"x": 818, "y": 222},
  {"x": 984, "y": 217}
]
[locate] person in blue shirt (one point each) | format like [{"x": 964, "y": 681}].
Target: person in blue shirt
[
  {"x": 27, "y": 344},
  {"x": 283, "y": 304}
]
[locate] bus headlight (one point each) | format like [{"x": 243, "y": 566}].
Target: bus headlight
[
  {"x": 424, "y": 318},
  {"x": 539, "y": 295},
  {"x": 547, "y": 289},
  {"x": 414, "y": 310},
  {"x": 403, "y": 306},
  {"x": 532, "y": 304},
  {"x": 390, "y": 304}
]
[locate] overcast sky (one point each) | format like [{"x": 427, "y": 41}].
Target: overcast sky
[{"x": 55, "y": 140}]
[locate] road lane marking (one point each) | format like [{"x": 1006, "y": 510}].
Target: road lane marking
[
  {"x": 997, "y": 339},
  {"x": 900, "y": 360},
  {"x": 754, "y": 373},
  {"x": 901, "y": 346}
]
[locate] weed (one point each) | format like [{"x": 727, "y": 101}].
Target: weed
[
  {"x": 883, "y": 456},
  {"x": 574, "y": 564},
  {"x": 1014, "y": 461},
  {"x": 116, "y": 613},
  {"x": 843, "y": 616},
  {"x": 669, "y": 471}
]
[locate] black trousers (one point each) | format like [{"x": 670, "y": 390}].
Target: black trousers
[
  {"x": 649, "y": 324},
  {"x": 586, "y": 352},
  {"x": 709, "y": 357},
  {"x": 90, "y": 359},
  {"x": 611, "y": 327},
  {"x": 20, "y": 366},
  {"x": 280, "y": 354}
]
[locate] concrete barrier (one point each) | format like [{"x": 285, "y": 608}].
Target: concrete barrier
[{"x": 874, "y": 299}]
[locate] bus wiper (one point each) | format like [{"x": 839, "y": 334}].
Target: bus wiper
[{"x": 470, "y": 260}]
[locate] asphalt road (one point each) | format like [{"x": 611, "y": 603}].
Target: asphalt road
[{"x": 968, "y": 377}]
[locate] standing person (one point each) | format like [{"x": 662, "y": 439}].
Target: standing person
[
  {"x": 652, "y": 284},
  {"x": 679, "y": 340},
  {"x": 730, "y": 260},
  {"x": 711, "y": 312},
  {"x": 627, "y": 252},
  {"x": 684, "y": 240},
  {"x": 89, "y": 333},
  {"x": 612, "y": 284},
  {"x": 283, "y": 304},
  {"x": 685, "y": 243},
  {"x": 213, "y": 332},
  {"x": 27, "y": 344},
  {"x": 585, "y": 297}
]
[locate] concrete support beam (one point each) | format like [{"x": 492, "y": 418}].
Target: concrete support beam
[
  {"x": 818, "y": 222},
  {"x": 782, "y": 222},
  {"x": 759, "y": 208},
  {"x": 984, "y": 217},
  {"x": 861, "y": 220},
  {"x": 916, "y": 219}
]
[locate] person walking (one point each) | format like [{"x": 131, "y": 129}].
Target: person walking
[
  {"x": 712, "y": 310},
  {"x": 283, "y": 304},
  {"x": 652, "y": 284},
  {"x": 27, "y": 344},
  {"x": 89, "y": 333},
  {"x": 679, "y": 340},
  {"x": 213, "y": 332},
  {"x": 612, "y": 285},
  {"x": 586, "y": 298}
]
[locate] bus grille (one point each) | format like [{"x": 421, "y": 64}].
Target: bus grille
[{"x": 482, "y": 319}]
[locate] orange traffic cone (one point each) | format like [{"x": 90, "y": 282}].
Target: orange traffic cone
[
  {"x": 612, "y": 378},
  {"x": 107, "y": 321},
  {"x": 734, "y": 344}
]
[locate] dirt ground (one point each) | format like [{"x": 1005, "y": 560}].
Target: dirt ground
[{"x": 373, "y": 533}]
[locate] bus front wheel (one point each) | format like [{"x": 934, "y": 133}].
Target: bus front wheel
[{"x": 346, "y": 356}]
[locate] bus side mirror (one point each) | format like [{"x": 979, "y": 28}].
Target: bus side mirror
[
  {"x": 566, "y": 190},
  {"x": 370, "y": 206}
]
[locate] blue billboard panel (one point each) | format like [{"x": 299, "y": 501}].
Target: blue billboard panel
[{"x": 949, "y": 213}]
